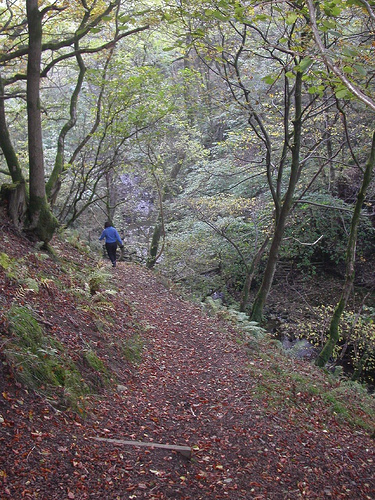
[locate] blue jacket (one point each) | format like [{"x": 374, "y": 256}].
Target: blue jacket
[{"x": 111, "y": 235}]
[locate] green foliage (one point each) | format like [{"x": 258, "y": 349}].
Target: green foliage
[
  {"x": 74, "y": 238},
  {"x": 226, "y": 170},
  {"x": 93, "y": 288},
  {"x": 12, "y": 267},
  {"x": 356, "y": 343},
  {"x": 318, "y": 234},
  {"x": 98, "y": 279},
  {"x": 287, "y": 388},
  {"x": 24, "y": 325},
  {"x": 92, "y": 359},
  {"x": 18, "y": 270},
  {"x": 40, "y": 362},
  {"x": 5, "y": 261},
  {"x": 91, "y": 281},
  {"x": 31, "y": 285},
  {"x": 210, "y": 254},
  {"x": 246, "y": 329},
  {"x": 192, "y": 257},
  {"x": 132, "y": 348}
]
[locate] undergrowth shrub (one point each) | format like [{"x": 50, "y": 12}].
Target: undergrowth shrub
[
  {"x": 98, "y": 279},
  {"x": 73, "y": 237},
  {"x": 132, "y": 348},
  {"x": 5, "y": 261},
  {"x": 319, "y": 233},
  {"x": 95, "y": 286},
  {"x": 92, "y": 359},
  {"x": 40, "y": 362},
  {"x": 15, "y": 269},
  {"x": 356, "y": 345}
]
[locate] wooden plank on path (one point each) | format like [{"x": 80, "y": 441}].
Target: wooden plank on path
[{"x": 184, "y": 450}]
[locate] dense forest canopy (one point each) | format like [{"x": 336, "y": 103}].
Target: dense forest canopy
[{"x": 220, "y": 137}]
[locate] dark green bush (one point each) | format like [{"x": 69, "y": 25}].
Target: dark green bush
[{"x": 310, "y": 222}]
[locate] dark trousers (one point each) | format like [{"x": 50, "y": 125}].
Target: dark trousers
[{"x": 111, "y": 251}]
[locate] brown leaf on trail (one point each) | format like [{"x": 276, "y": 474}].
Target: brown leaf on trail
[{"x": 185, "y": 381}]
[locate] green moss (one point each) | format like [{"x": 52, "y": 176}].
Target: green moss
[
  {"x": 337, "y": 407},
  {"x": 27, "y": 331},
  {"x": 40, "y": 362},
  {"x": 93, "y": 361},
  {"x": 31, "y": 284},
  {"x": 132, "y": 349},
  {"x": 102, "y": 376},
  {"x": 5, "y": 261},
  {"x": 43, "y": 222}
]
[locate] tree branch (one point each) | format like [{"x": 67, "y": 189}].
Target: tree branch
[{"x": 330, "y": 64}]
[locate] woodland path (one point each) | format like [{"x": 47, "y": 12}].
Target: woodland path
[{"x": 193, "y": 387}]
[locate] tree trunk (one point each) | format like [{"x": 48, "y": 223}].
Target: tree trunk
[
  {"x": 111, "y": 200},
  {"x": 41, "y": 221},
  {"x": 14, "y": 194},
  {"x": 333, "y": 334},
  {"x": 54, "y": 183},
  {"x": 6, "y": 143},
  {"x": 250, "y": 275},
  {"x": 261, "y": 297},
  {"x": 156, "y": 235},
  {"x": 260, "y": 300},
  {"x": 159, "y": 231}
]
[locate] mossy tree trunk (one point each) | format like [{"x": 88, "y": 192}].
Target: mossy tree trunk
[
  {"x": 333, "y": 333},
  {"x": 154, "y": 246},
  {"x": 41, "y": 221}
]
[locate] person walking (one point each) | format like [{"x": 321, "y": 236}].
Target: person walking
[{"x": 112, "y": 238}]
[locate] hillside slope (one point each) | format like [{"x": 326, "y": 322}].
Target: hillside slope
[{"x": 155, "y": 368}]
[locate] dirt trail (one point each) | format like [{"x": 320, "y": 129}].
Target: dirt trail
[{"x": 193, "y": 387}]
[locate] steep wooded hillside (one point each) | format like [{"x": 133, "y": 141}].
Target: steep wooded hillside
[{"x": 94, "y": 357}]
